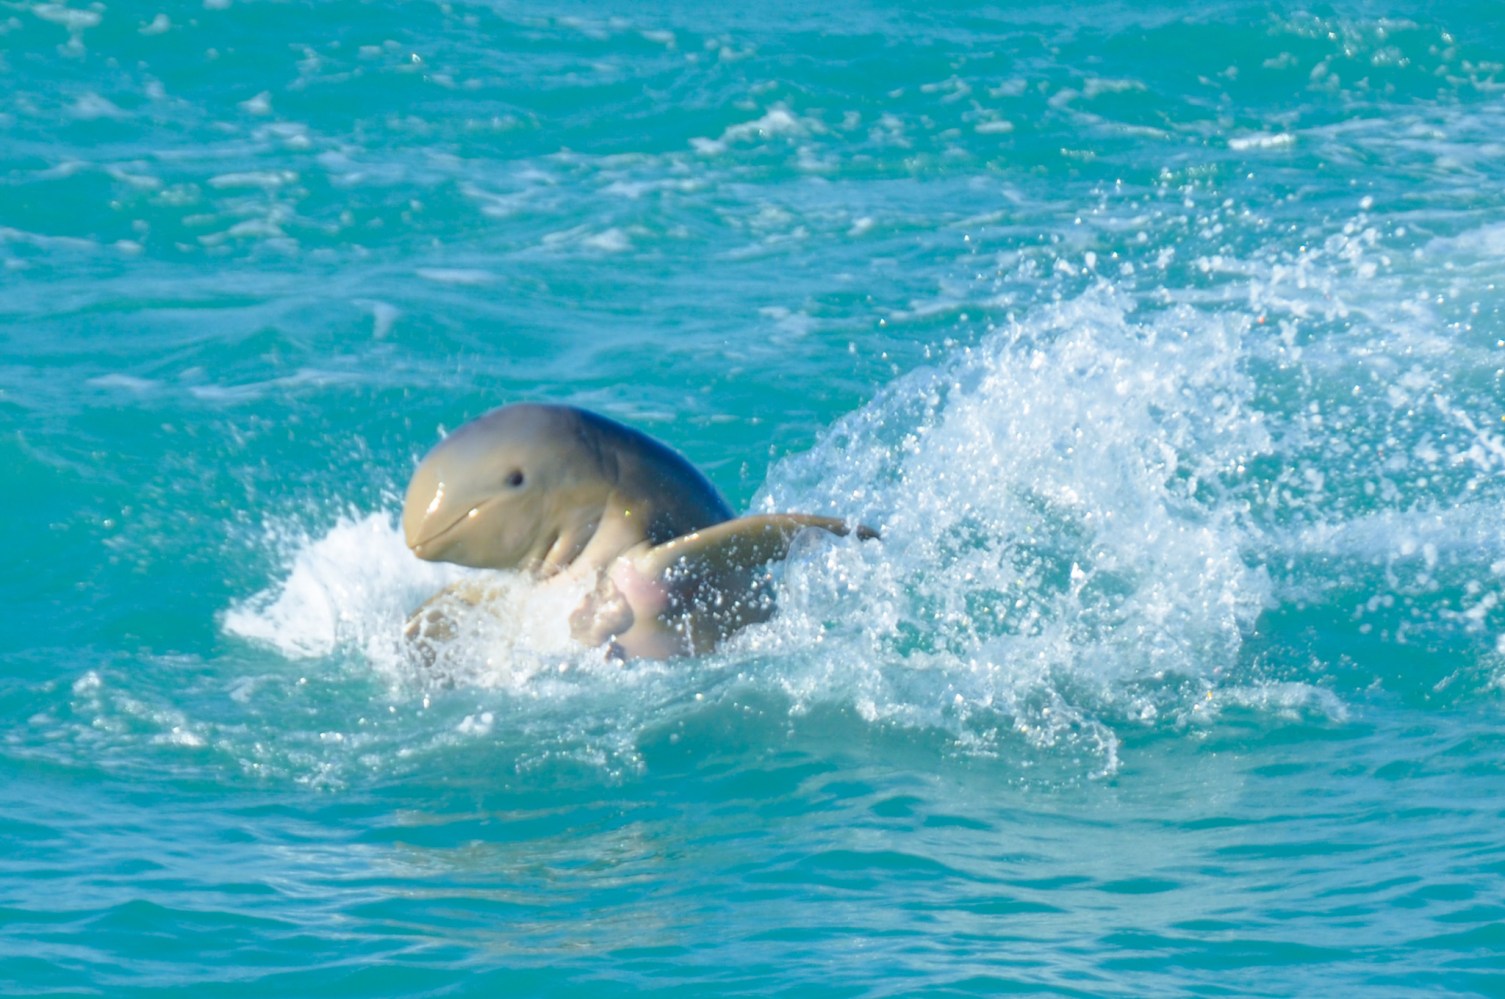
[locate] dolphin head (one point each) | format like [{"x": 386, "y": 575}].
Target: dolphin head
[{"x": 521, "y": 487}]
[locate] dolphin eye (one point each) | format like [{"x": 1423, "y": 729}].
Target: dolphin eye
[{"x": 515, "y": 478}]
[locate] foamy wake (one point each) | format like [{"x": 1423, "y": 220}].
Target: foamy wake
[
  {"x": 352, "y": 590},
  {"x": 1084, "y": 517},
  {"x": 1055, "y": 558},
  {"x": 349, "y": 590}
]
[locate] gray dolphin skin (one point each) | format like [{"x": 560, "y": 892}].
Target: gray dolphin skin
[{"x": 574, "y": 498}]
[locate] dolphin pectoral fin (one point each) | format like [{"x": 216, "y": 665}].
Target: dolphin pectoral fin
[
  {"x": 742, "y": 544},
  {"x": 837, "y": 526},
  {"x": 692, "y": 591},
  {"x": 724, "y": 563}
]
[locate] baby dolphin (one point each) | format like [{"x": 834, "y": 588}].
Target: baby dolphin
[{"x": 576, "y": 499}]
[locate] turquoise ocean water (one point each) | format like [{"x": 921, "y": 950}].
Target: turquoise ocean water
[{"x": 1163, "y": 341}]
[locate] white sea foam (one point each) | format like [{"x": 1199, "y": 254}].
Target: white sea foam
[
  {"x": 456, "y": 275},
  {"x": 1043, "y": 535},
  {"x": 1470, "y": 533},
  {"x": 248, "y": 391},
  {"x": 265, "y": 179},
  {"x": 91, "y": 106},
  {"x": 1261, "y": 141},
  {"x": 777, "y": 122},
  {"x": 383, "y": 316},
  {"x": 612, "y": 240},
  {"x": 129, "y": 383},
  {"x": 1485, "y": 243},
  {"x": 261, "y": 104},
  {"x": 340, "y": 590},
  {"x": 70, "y": 18},
  {"x": 352, "y": 589}
]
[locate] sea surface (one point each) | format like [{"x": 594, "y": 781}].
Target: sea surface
[{"x": 1165, "y": 344}]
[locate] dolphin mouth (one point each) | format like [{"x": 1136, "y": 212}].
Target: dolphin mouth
[{"x": 428, "y": 540}]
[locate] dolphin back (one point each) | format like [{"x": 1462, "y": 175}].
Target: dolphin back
[{"x": 663, "y": 482}]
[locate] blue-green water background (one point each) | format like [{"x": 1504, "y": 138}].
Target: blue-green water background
[{"x": 1163, "y": 341}]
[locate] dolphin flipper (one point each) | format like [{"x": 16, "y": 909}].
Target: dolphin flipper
[
  {"x": 738, "y": 546},
  {"x": 717, "y": 578},
  {"x": 682, "y": 597}
]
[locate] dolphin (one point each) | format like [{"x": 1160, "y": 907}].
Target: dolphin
[{"x": 578, "y": 500}]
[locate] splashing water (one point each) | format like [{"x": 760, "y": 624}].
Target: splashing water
[
  {"x": 344, "y": 591},
  {"x": 1049, "y": 541},
  {"x": 1087, "y": 514},
  {"x": 1038, "y": 560}
]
